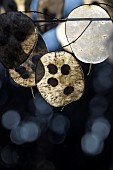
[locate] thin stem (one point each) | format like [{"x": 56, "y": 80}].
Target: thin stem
[
  {"x": 40, "y": 13},
  {"x": 99, "y": 3},
  {"x": 62, "y": 108},
  {"x": 32, "y": 92},
  {"x": 46, "y": 24},
  {"x": 105, "y": 4},
  {"x": 67, "y": 38},
  {"x": 73, "y": 19},
  {"x": 90, "y": 67},
  {"x": 76, "y": 38},
  {"x": 67, "y": 19}
]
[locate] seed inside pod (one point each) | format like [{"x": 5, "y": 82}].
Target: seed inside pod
[
  {"x": 24, "y": 75},
  {"x": 66, "y": 84},
  {"x": 18, "y": 37}
]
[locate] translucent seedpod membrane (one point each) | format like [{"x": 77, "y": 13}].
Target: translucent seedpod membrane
[
  {"x": 59, "y": 78},
  {"x": 18, "y": 36},
  {"x": 89, "y": 29},
  {"x": 24, "y": 74},
  {"x": 61, "y": 36}
]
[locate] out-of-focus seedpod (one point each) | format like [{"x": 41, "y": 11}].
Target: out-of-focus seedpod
[{"x": 51, "y": 9}]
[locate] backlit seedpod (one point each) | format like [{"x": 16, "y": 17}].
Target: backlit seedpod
[
  {"x": 59, "y": 78},
  {"x": 89, "y": 28},
  {"x": 61, "y": 36},
  {"x": 18, "y": 37},
  {"x": 24, "y": 75}
]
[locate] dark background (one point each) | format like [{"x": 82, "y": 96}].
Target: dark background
[{"x": 42, "y": 154}]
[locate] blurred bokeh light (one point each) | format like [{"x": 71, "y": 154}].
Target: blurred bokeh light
[
  {"x": 44, "y": 111},
  {"x": 91, "y": 144},
  {"x": 9, "y": 156},
  {"x": 101, "y": 127},
  {"x": 98, "y": 105},
  {"x": 10, "y": 119},
  {"x": 37, "y": 136},
  {"x": 59, "y": 124},
  {"x": 29, "y": 131}
]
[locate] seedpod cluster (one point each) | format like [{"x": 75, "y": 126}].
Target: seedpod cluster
[{"x": 57, "y": 75}]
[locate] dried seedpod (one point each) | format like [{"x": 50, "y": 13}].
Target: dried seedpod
[
  {"x": 51, "y": 9},
  {"x": 59, "y": 78},
  {"x": 18, "y": 37},
  {"x": 24, "y": 75},
  {"x": 89, "y": 34},
  {"x": 61, "y": 36}
]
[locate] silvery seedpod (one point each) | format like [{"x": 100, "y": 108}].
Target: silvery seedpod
[
  {"x": 89, "y": 29},
  {"x": 59, "y": 78}
]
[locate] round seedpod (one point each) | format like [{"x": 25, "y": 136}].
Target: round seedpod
[
  {"x": 89, "y": 29},
  {"x": 24, "y": 75},
  {"x": 18, "y": 36},
  {"x": 59, "y": 78}
]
